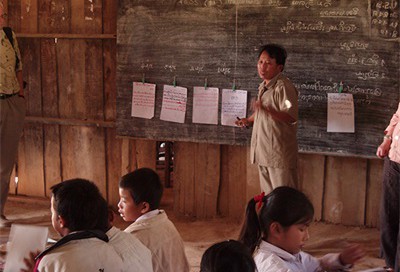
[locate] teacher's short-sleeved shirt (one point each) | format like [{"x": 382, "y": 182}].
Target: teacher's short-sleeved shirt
[
  {"x": 393, "y": 129},
  {"x": 274, "y": 143}
]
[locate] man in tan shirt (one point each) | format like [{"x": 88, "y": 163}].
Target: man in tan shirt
[
  {"x": 274, "y": 138},
  {"x": 12, "y": 109}
]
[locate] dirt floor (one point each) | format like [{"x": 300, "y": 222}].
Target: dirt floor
[{"x": 198, "y": 235}]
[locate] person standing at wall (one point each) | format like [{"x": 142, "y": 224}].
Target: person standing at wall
[
  {"x": 390, "y": 199},
  {"x": 12, "y": 108},
  {"x": 274, "y": 138}
]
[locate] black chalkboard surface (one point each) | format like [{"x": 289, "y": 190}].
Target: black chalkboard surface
[{"x": 351, "y": 41}]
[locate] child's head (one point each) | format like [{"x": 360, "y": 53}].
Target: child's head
[
  {"x": 140, "y": 192},
  {"x": 283, "y": 220},
  {"x": 76, "y": 204},
  {"x": 230, "y": 256}
]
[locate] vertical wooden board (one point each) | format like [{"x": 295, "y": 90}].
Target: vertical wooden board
[
  {"x": 80, "y": 79},
  {"x": 29, "y": 16},
  {"x": 207, "y": 177},
  {"x": 110, "y": 11},
  {"x": 30, "y": 164},
  {"x": 252, "y": 178},
  {"x": 311, "y": 180},
  {"x": 146, "y": 154},
  {"x": 14, "y": 15},
  {"x": 237, "y": 181},
  {"x": 125, "y": 156},
  {"x": 30, "y": 55},
  {"x": 110, "y": 89},
  {"x": 223, "y": 193},
  {"x": 93, "y": 92},
  {"x": 184, "y": 177},
  {"x": 86, "y": 16},
  {"x": 374, "y": 190},
  {"x": 83, "y": 154},
  {"x": 54, "y": 16},
  {"x": 5, "y": 6},
  {"x": 345, "y": 190},
  {"x": 114, "y": 162},
  {"x": 52, "y": 159},
  {"x": 64, "y": 76},
  {"x": 48, "y": 58}
]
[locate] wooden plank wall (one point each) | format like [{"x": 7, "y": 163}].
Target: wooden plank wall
[{"x": 69, "y": 55}]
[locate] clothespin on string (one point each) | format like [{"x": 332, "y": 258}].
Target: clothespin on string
[
  {"x": 174, "y": 83},
  {"x": 234, "y": 85},
  {"x": 340, "y": 87},
  {"x": 205, "y": 84},
  {"x": 143, "y": 81}
]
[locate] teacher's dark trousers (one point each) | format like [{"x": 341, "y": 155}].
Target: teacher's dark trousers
[{"x": 390, "y": 214}]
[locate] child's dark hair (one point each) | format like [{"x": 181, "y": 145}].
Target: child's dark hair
[
  {"x": 230, "y": 256},
  {"x": 284, "y": 205},
  {"x": 79, "y": 202},
  {"x": 144, "y": 185},
  {"x": 275, "y": 51}
]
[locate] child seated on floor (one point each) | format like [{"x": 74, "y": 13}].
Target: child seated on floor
[
  {"x": 76, "y": 211},
  {"x": 279, "y": 231},
  {"x": 135, "y": 256},
  {"x": 140, "y": 195},
  {"x": 230, "y": 256}
]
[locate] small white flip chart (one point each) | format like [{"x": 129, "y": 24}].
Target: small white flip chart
[
  {"x": 340, "y": 112},
  {"x": 173, "y": 107},
  {"x": 205, "y": 105},
  {"x": 23, "y": 240},
  {"x": 234, "y": 105},
  {"x": 143, "y": 100}
]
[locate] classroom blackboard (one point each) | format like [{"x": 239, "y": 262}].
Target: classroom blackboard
[{"x": 355, "y": 42}]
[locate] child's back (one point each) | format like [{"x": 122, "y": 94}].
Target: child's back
[
  {"x": 159, "y": 235},
  {"x": 135, "y": 255},
  {"x": 90, "y": 254}
]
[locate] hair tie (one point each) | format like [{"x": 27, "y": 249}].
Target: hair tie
[{"x": 259, "y": 199}]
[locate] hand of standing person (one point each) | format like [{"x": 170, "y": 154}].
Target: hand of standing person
[{"x": 383, "y": 149}]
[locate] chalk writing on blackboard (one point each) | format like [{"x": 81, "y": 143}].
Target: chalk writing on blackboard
[
  {"x": 197, "y": 69},
  {"x": 354, "y": 45},
  {"x": 319, "y": 26},
  {"x": 385, "y": 18},
  {"x": 170, "y": 67}
]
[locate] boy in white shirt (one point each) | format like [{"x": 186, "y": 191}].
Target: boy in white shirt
[{"x": 140, "y": 195}]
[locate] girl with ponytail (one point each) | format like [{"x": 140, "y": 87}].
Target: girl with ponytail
[{"x": 276, "y": 229}]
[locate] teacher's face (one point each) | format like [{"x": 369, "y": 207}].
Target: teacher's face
[{"x": 267, "y": 67}]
